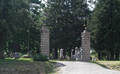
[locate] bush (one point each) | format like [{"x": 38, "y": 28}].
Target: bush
[{"x": 40, "y": 57}]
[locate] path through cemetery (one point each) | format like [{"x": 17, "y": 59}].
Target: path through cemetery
[{"x": 76, "y": 67}]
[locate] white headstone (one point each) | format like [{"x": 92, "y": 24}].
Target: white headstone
[
  {"x": 78, "y": 56},
  {"x": 16, "y": 55},
  {"x": 61, "y": 54},
  {"x": 76, "y": 51}
]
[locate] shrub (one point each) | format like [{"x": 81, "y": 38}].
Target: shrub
[{"x": 40, "y": 57}]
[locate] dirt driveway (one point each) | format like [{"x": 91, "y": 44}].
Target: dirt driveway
[{"x": 76, "y": 67}]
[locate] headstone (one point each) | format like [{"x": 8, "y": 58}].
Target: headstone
[
  {"x": 26, "y": 56},
  {"x": 16, "y": 55},
  {"x": 76, "y": 51},
  {"x": 66, "y": 57},
  {"x": 45, "y": 41},
  {"x": 61, "y": 54},
  {"x": 78, "y": 56},
  {"x": 86, "y": 45}
]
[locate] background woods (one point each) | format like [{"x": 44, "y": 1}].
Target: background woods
[{"x": 21, "y": 22}]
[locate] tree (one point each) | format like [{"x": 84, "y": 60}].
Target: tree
[
  {"x": 104, "y": 27},
  {"x": 66, "y": 20},
  {"x": 14, "y": 19}
]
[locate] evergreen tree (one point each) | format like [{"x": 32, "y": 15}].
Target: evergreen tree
[
  {"x": 66, "y": 20},
  {"x": 104, "y": 26},
  {"x": 14, "y": 20}
]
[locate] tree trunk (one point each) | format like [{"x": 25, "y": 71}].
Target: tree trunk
[
  {"x": 112, "y": 55},
  {"x": 2, "y": 49},
  {"x": 56, "y": 53},
  {"x": 69, "y": 53},
  {"x": 16, "y": 47},
  {"x": 64, "y": 52},
  {"x": 117, "y": 56},
  {"x": 99, "y": 55}
]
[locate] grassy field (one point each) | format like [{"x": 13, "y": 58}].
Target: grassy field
[
  {"x": 113, "y": 65},
  {"x": 26, "y": 66}
]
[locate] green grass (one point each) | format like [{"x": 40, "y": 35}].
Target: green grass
[
  {"x": 114, "y": 65},
  {"x": 26, "y": 66},
  {"x": 16, "y": 60}
]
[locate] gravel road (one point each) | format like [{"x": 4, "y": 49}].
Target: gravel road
[{"x": 76, "y": 67}]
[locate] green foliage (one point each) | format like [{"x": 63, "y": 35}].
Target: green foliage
[
  {"x": 40, "y": 57},
  {"x": 113, "y": 65},
  {"x": 94, "y": 53},
  {"x": 27, "y": 66},
  {"x": 21, "y": 31},
  {"x": 66, "y": 20},
  {"x": 104, "y": 25}
]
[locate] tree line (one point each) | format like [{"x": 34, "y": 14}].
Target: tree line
[
  {"x": 104, "y": 26},
  {"x": 21, "y": 20},
  {"x": 19, "y": 28}
]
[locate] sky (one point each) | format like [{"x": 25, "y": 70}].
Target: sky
[
  {"x": 91, "y": 5},
  {"x": 44, "y": 1}
]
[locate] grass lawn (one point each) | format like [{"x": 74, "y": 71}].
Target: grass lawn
[
  {"x": 114, "y": 65},
  {"x": 26, "y": 66}
]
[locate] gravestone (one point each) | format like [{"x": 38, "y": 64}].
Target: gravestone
[
  {"x": 78, "y": 56},
  {"x": 16, "y": 55},
  {"x": 26, "y": 56},
  {"x": 29, "y": 55},
  {"x": 61, "y": 54},
  {"x": 76, "y": 51},
  {"x": 85, "y": 45},
  {"x": 45, "y": 41}
]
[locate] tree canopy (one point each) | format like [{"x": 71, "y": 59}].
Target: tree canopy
[
  {"x": 104, "y": 25},
  {"x": 66, "y": 20}
]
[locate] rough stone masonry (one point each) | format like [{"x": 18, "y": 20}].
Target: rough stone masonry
[
  {"x": 85, "y": 45},
  {"x": 45, "y": 41}
]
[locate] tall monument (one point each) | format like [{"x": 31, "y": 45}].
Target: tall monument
[
  {"x": 85, "y": 45},
  {"x": 45, "y": 41}
]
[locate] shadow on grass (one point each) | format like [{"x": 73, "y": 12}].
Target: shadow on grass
[
  {"x": 16, "y": 60},
  {"x": 99, "y": 64}
]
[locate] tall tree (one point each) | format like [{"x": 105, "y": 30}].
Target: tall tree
[
  {"x": 104, "y": 26},
  {"x": 66, "y": 20},
  {"x": 14, "y": 19}
]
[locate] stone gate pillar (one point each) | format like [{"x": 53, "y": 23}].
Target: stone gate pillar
[
  {"x": 45, "y": 41},
  {"x": 85, "y": 45}
]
